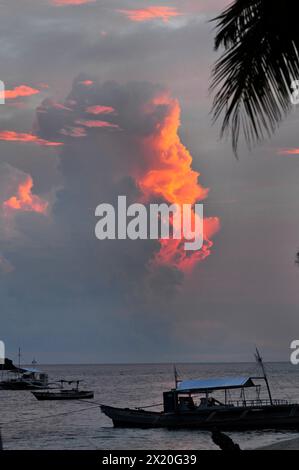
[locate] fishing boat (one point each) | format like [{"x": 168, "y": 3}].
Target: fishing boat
[
  {"x": 180, "y": 409},
  {"x": 64, "y": 394},
  {"x": 22, "y": 378}
]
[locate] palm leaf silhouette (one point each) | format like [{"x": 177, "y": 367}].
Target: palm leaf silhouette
[{"x": 252, "y": 78}]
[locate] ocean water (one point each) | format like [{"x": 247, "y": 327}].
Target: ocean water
[{"x": 29, "y": 424}]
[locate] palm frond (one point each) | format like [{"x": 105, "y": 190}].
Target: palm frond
[{"x": 251, "y": 80}]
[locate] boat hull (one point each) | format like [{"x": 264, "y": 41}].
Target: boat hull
[
  {"x": 20, "y": 385},
  {"x": 223, "y": 418},
  {"x": 41, "y": 396}
]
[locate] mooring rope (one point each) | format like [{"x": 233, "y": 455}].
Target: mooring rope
[{"x": 53, "y": 415}]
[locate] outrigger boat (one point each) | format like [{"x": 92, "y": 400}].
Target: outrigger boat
[
  {"x": 181, "y": 411},
  {"x": 64, "y": 394},
  {"x": 22, "y": 378}
]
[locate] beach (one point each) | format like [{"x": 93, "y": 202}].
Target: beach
[{"x": 288, "y": 444}]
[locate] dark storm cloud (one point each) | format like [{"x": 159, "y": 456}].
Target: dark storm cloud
[
  {"x": 60, "y": 251},
  {"x": 97, "y": 167}
]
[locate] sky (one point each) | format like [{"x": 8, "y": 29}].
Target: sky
[{"x": 111, "y": 97}]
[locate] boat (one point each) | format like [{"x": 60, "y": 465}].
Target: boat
[
  {"x": 180, "y": 409},
  {"x": 64, "y": 394},
  {"x": 22, "y": 378}
]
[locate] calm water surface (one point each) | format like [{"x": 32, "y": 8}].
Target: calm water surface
[{"x": 29, "y": 424}]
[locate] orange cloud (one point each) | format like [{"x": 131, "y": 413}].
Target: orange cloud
[
  {"x": 169, "y": 176},
  {"x": 12, "y": 136},
  {"x": 61, "y": 3},
  {"x": 291, "y": 151},
  {"x": 86, "y": 82},
  {"x": 19, "y": 91},
  {"x": 24, "y": 200},
  {"x": 99, "y": 109},
  {"x": 88, "y": 123},
  {"x": 151, "y": 13}
]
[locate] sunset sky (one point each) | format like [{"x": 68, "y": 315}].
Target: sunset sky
[{"x": 107, "y": 98}]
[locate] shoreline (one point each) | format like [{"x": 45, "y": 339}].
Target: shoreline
[{"x": 288, "y": 444}]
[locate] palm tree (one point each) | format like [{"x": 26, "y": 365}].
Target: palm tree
[{"x": 252, "y": 78}]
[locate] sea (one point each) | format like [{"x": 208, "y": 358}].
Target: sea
[{"x": 73, "y": 425}]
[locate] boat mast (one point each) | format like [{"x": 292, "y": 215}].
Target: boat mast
[
  {"x": 19, "y": 362},
  {"x": 259, "y": 360},
  {"x": 176, "y": 380},
  {"x": 19, "y": 356}
]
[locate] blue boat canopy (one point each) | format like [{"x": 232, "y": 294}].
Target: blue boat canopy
[
  {"x": 30, "y": 370},
  {"x": 214, "y": 384}
]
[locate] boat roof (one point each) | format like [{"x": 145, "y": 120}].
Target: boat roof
[
  {"x": 214, "y": 384},
  {"x": 30, "y": 369}
]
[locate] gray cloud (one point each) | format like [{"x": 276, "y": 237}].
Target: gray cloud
[{"x": 70, "y": 296}]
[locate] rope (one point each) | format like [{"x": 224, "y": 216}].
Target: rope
[
  {"x": 52, "y": 415},
  {"x": 65, "y": 413}
]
